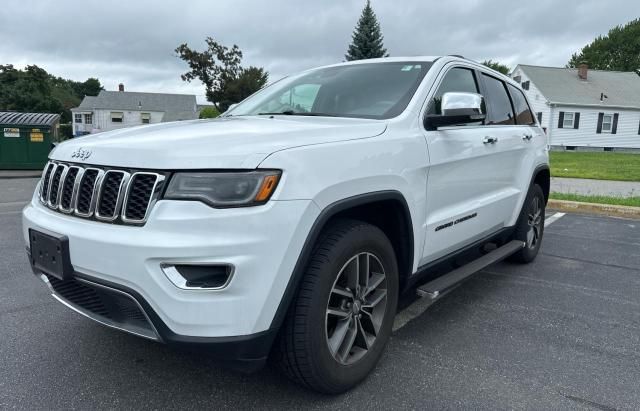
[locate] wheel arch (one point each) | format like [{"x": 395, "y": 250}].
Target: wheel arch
[
  {"x": 368, "y": 207},
  {"x": 542, "y": 177}
]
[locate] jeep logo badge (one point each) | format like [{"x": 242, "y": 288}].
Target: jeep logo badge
[{"x": 81, "y": 154}]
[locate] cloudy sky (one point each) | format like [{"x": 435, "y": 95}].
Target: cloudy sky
[{"x": 133, "y": 41}]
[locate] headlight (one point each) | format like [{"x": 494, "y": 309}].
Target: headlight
[{"x": 224, "y": 189}]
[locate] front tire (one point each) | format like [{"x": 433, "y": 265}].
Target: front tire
[
  {"x": 338, "y": 324},
  {"x": 530, "y": 226}
]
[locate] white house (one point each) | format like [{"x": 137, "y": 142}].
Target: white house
[
  {"x": 582, "y": 108},
  {"x": 111, "y": 110}
]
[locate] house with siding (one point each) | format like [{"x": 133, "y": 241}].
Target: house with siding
[
  {"x": 112, "y": 110},
  {"x": 584, "y": 109}
]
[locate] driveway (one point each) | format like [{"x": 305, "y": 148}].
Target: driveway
[{"x": 561, "y": 333}]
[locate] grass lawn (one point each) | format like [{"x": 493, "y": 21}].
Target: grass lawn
[
  {"x": 599, "y": 166},
  {"x": 625, "y": 201}
]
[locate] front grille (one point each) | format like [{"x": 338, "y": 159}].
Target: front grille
[
  {"x": 104, "y": 304},
  {"x": 112, "y": 195}
]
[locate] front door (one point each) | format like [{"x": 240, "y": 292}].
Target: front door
[{"x": 470, "y": 190}]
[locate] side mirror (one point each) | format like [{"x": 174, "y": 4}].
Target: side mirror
[{"x": 457, "y": 108}]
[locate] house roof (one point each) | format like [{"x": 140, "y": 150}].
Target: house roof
[
  {"x": 563, "y": 86},
  {"x": 29, "y": 119},
  {"x": 174, "y": 106}
]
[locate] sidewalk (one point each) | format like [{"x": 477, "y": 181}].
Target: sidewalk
[
  {"x": 595, "y": 187},
  {"x": 20, "y": 173}
]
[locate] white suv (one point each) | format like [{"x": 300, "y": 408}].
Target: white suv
[{"x": 290, "y": 226}]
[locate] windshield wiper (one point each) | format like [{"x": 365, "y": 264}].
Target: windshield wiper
[{"x": 296, "y": 113}]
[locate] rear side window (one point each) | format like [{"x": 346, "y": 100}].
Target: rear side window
[
  {"x": 500, "y": 111},
  {"x": 456, "y": 79},
  {"x": 523, "y": 112}
]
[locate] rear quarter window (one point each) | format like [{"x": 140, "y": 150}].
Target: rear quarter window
[{"x": 523, "y": 111}]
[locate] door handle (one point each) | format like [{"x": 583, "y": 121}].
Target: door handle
[
  {"x": 490, "y": 140},
  {"x": 527, "y": 137}
]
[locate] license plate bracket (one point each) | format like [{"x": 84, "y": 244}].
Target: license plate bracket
[{"x": 50, "y": 254}]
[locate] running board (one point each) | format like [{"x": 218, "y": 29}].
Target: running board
[{"x": 441, "y": 285}]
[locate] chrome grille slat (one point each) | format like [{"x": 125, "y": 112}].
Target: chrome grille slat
[
  {"x": 86, "y": 189},
  {"x": 140, "y": 196},
  {"x": 44, "y": 186},
  {"x": 67, "y": 188},
  {"x": 110, "y": 195},
  {"x": 54, "y": 185},
  {"x": 100, "y": 193}
]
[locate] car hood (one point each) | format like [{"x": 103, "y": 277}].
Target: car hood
[{"x": 230, "y": 142}]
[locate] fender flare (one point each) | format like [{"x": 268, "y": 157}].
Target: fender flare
[
  {"x": 534, "y": 175},
  {"x": 314, "y": 233}
]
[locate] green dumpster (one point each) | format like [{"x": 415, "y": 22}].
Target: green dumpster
[{"x": 26, "y": 139}]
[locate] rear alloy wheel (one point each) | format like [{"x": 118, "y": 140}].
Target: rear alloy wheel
[
  {"x": 530, "y": 226},
  {"x": 340, "y": 320}
]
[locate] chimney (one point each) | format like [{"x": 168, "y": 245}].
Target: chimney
[
  {"x": 121, "y": 86},
  {"x": 583, "y": 68}
]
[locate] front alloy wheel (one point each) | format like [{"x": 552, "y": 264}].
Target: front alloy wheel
[
  {"x": 356, "y": 308},
  {"x": 341, "y": 318}
]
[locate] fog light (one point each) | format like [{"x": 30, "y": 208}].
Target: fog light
[{"x": 199, "y": 276}]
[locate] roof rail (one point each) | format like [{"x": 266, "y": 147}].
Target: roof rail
[{"x": 456, "y": 55}]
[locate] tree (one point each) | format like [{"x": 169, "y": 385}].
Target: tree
[
  {"x": 35, "y": 90},
  {"x": 618, "y": 50},
  {"x": 209, "y": 112},
  {"x": 367, "y": 39},
  {"x": 497, "y": 66},
  {"x": 218, "y": 68},
  {"x": 28, "y": 90}
]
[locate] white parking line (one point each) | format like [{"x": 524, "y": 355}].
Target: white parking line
[
  {"x": 553, "y": 218},
  {"x": 421, "y": 304}
]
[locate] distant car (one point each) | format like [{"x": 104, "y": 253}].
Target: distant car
[{"x": 290, "y": 225}]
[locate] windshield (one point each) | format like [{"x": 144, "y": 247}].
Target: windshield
[{"x": 369, "y": 90}]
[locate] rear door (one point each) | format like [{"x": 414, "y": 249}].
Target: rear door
[{"x": 470, "y": 190}]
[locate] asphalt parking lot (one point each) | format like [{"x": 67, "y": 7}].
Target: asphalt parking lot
[{"x": 561, "y": 333}]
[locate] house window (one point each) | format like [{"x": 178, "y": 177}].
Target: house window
[
  {"x": 116, "y": 117},
  {"x": 568, "y": 120},
  {"x": 607, "y": 122},
  {"x": 539, "y": 115},
  {"x": 146, "y": 118},
  {"x": 88, "y": 118},
  {"x": 525, "y": 85},
  {"x": 77, "y": 118}
]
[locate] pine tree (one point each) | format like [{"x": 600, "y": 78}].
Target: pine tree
[{"x": 367, "y": 39}]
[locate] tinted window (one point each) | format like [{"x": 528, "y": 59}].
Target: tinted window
[
  {"x": 523, "y": 112},
  {"x": 498, "y": 102},
  {"x": 456, "y": 79}
]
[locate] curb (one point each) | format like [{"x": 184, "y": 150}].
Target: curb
[{"x": 592, "y": 208}]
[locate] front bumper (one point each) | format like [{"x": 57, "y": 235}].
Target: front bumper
[{"x": 262, "y": 243}]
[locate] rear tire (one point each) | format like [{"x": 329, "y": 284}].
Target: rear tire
[
  {"x": 339, "y": 322},
  {"x": 530, "y": 226}
]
